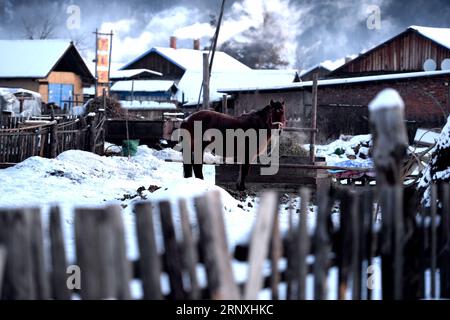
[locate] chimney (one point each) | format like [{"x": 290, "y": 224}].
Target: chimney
[
  {"x": 173, "y": 42},
  {"x": 348, "y": 59},
  {"x": 196, "y": 44}
]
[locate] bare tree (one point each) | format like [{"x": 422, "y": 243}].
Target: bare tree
[{"x": 41, "y": 31}]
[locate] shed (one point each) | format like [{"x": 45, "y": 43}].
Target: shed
[{"x": 53, "y": 68}]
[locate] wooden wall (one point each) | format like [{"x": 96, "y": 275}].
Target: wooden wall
[
  {"x": 28, "y": 84},
  {"x": 405, "y": 53},
  {"x": 64, "y": 78},
  {"x": 155, "y": 62}
]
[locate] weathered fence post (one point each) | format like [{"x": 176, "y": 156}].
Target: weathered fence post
[
  {"x": 60, "y": 290},
  {"x": 225, "y": 104},
  {"x": 445, "y": 242},
  {"x": 53, "y": 137},
  {"x": 390, "y": 145},
  {"x": 15, "y": 236},
  {"x": 101, "y": 256},
  {"x": 205, "y": 81},
  {"x": 190, "y": 255},
  {"x": 149, "y": 260},
  {"x": 38, "y": 258},
  {"x": 322, "y": 247},
  {"x": 303, "y": 243},
  {"x": 2, "y": 265},
  {"x": 276, "y": 253},
  {"x": 217, "y": 260},
  {"x": 172, "y": 253},
  {"x": 92, "y": 133},
  {"x": 259, "y": 244}
]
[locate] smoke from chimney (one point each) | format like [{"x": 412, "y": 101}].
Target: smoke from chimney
[
  {"x": 173, "y": 42},
  {"x": 196, "y": 44}
]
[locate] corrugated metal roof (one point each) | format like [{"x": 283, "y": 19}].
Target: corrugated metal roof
[{"x": 30, "y": 58}]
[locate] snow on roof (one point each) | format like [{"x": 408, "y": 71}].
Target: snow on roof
[
  {"x": 143, "y": 85},
  {"x": 124, "y": 74},
  {"x": 330, "y": 82},
  {"x": 18, "y": 91},
  {"x": 30, "y": 58},
  {"x": 155, "y": 105},
  {"x": 439, "y": 35},
  {"x": 387, "y": 99},
  {"x": 191, "y": 82},
  {"x": 189, "y": 59}
]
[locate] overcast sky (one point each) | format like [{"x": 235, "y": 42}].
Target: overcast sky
[{"x": 309, "y": 31}]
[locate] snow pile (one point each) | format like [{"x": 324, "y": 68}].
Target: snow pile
[
  {"x": 438, "y": 169},
  {"x": 355, "y": 148}
]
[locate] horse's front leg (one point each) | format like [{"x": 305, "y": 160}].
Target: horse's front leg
[{"x": 243, "y": 173}]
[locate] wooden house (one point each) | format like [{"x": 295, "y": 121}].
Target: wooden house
[
  {"x": 53, "y": 68},
  {"x": 406, "y": 52}
]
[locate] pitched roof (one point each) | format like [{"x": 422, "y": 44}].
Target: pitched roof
[
  {"x": 189, "y": 86},
  {"x": 143, "y": 85},
  {"x": 189, "y": 59},
  {"x": 439, "y": 35},
  {"x": 133, "y": 74},
  {"x": 338, "y": 81},
  {"x": 33, "y": 58}
]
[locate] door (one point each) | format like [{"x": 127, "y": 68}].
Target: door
[{"x": 60, "y": 94}]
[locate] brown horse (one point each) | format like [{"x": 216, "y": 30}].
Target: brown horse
[{"x": 270, "y": 117}]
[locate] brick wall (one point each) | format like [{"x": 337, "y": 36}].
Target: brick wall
[{"x": 426, "y": 99}]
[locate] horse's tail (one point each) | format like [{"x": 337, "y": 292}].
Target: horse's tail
[{"x": 187, "y": 167}]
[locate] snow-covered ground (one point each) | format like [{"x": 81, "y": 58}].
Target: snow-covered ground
[{"x": 80, "y": 179}]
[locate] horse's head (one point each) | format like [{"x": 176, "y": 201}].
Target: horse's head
[{"x": 275, "y": 115}]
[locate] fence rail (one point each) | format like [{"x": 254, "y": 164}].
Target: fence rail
[
  {"x": 349, "y": 245},
  {"x": 21, "y": 138}
]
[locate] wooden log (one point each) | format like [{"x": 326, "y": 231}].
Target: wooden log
[
  {"x": 190, "y": 255},
  {"x": 259, "y": 244},
  {"x": 40, "y": 275},
  {"x": 213, "y": 246},
  {"x": 172, "y": 254},
  {"x": 303, "y": 243},
  {"x": 15, "y": 236},
  {"x": 100, "y": 254},
  {"x": 149, "y": 261},
  {"x": 390, "y": 145},
  {"x": 60, "y": 290}
]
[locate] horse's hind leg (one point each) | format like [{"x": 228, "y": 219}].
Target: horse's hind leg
[
  {"x": 187, "y": 169},
  {"x": 198, "y": 171}
]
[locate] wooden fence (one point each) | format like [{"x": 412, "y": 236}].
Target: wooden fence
[
  {"x": 21, "y": 138},
  {"x": 420, "y": 254}
]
